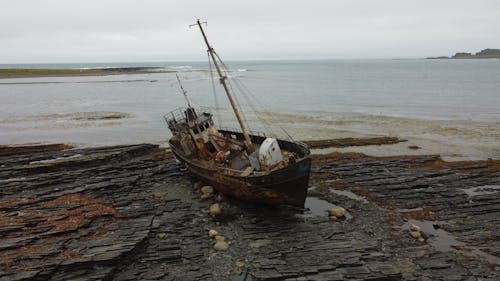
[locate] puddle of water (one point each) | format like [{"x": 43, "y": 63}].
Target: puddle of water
[
  {"x": 437, "y": 237},
  {"x": 350, "y": 195},
  {"x": 316, "y": 207},
  {"x": 409, "y": 210},
  {"x": 244, "y": 276},
  {"x": 481, "y": 190},
  {"x": 443, "y": 241}
]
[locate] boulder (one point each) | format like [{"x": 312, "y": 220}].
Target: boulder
[
  {"x": 212, "y": 233},
  {"x": 337, "y": 212},
  {"x": 416, "y": 234},
  {"x": 207, "y": 190},
  {"x": 219, "y": 238},
  {"x": 221, "y": 246},
  {"x": 215, "y": 209},
  {"x": 414, "y": 227}
]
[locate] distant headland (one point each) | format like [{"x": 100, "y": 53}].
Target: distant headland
[{"x": 484, "y": 54}]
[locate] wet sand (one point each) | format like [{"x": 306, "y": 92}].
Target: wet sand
[{"x": 130, "y": 213}]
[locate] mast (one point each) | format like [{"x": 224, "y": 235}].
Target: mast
[{"x": 248, "y": 141}]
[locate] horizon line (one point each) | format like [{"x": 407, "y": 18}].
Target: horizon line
[{"x": 226, "y": 60}]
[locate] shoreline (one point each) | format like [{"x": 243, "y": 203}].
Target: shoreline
[
  {"x": 453, "y": 140},
  {"x": 74, "y": 72}
]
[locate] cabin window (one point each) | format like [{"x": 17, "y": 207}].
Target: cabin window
[
  {"x": 207, "y": 126},
  {"x": 210, "y": 147},
  {"x": 195, "y": 131},
  {"x": 201, "y": 128}
]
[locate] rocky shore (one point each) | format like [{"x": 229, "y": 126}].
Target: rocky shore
[{"x": 130, "y": 213}]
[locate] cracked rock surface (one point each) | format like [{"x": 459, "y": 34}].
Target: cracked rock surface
[{"x": 129, "y": 213}]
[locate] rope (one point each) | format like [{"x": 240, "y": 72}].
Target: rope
[{"x": 219, "y": 121}]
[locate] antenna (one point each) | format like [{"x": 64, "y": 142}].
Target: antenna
[
  {"x": 198, "y": 22},
  {"x": 184, "y": 92}
]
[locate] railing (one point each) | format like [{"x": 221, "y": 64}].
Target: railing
[
  {"x": 254, "y": 133},
  {"x": 178, "y": 114},
  {"x": 175, "y": 115}
]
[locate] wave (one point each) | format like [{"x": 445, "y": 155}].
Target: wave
[
  {"x": 73, "y": 116},
  {"x": 181, "y": 67}
]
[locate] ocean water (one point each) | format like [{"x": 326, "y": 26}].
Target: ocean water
[{"x": 447, "y": 107}]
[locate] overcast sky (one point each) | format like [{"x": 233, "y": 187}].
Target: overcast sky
[{"x": 149, "y": 30}]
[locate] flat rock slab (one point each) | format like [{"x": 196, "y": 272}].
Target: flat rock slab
[{"x": 129, "y": 213}]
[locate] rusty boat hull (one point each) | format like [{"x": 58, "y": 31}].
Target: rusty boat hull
[{"x": 286, "y": 186}]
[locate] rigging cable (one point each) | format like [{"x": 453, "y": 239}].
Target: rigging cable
[
  {"x": 245, "y": 90},
  {"x": 267, "y": 125},
  {"x": 224, "y": 68},
  {"x": 219, "y": 121}
]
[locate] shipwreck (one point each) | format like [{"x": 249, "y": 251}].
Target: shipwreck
[{"x": 247, "y": 166}]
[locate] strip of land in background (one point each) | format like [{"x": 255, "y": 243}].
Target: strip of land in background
[
  {"x": 346, "y": 142},
  {"x": 39, "y": 72}
]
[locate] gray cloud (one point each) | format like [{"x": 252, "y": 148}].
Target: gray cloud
[{"x": 124, "y": 30}]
